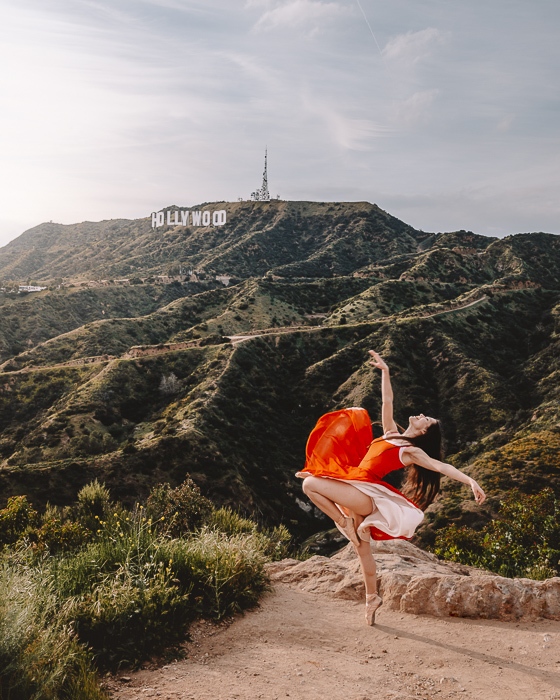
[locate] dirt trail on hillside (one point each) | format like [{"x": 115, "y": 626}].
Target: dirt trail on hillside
[
  {"x": 235, "y": 339},
  {"x": 151, "y": 350},
  {"x": 303, "y": 646}
]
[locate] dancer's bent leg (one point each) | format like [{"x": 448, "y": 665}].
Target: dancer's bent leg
[
  {"x": 326, "y": 493},
  {"x": 335, "y": 498}
]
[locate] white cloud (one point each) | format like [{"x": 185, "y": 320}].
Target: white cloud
[
  {"x": 353, "y": 134},
  {"x": 307, "y": 14},
  {"x": 412, "y": 47},
  {"x": 343, "y": 131}
]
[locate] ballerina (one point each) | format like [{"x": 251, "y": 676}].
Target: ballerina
[{"x": 344, "y": 470}]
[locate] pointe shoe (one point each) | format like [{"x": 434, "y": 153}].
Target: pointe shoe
[
  {"x": 346, "y": 526},
  {"x": 373, "y": 602}
]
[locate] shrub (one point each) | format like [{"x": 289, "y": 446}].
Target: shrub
[
  {"x": 134, "y": 591},
  {"x": 224, "y": 574},
  {"x": 124, "y": 539},
  {"x": 93, "y": 505},
  {"x": 523, "y": 540},
  {"x": 131, "y": 615},
  {"x": 229, "y": 522},
  {"x": 170, "y": 385},
  {"x": 275, "y": 542},
  {"x": 58, "y": 536},
  {"x": 119, "y": 584},
  {"x": 15, "y": 519},
  {"x": 180, "y": 510},
  {"x": 95, "y": 444}
]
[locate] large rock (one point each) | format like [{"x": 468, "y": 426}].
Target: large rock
[{"x": 414, "y": 581}]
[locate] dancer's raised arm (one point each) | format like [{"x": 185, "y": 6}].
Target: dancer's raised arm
[{"x": 389, "y": 425}]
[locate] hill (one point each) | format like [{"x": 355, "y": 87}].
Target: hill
[
  {"x": 309, "y": 239},
  {"x": 147, "y": 382}
]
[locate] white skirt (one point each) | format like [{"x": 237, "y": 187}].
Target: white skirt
[{"x": 393, "y": 514}]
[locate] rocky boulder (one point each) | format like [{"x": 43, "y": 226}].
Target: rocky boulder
[{"x": 414, "y": 581}]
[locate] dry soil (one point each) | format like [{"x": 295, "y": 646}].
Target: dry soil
[{"x": 303, "y": 646}]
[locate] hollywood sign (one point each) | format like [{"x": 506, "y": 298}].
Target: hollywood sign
[{"x": 188, "y": 218}]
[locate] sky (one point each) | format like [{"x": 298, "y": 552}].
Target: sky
[{"x": 443, "y": 113}]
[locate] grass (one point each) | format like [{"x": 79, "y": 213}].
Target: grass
[
  {"x": 40, "y": 658},
  {"x": 128, "y": 589}
]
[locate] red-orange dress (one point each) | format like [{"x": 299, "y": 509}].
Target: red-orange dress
[{"x": 341, "y": 446}]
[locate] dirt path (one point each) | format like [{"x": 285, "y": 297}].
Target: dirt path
[
  {"x": 234, "y": 339},
  {"x": 302, "y": 646},
  {"x": 151, "y": 350}
]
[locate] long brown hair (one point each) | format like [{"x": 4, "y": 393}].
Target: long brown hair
[{"x": 422, "y": 485}]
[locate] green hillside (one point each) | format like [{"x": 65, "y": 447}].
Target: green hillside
[
  {"x": 30, "y": 319},
  {"x": 148, "y": 382},
  {"x": 309, "y": 239}
]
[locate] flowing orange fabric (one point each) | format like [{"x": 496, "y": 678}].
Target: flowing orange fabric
[
  {"x": 338, "y": 442},
  {"x": 341, "y": 446}
]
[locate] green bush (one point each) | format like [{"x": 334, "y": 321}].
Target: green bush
[
  {"x": 275, "y": 542},
  {"x": 117, "y": 585},
  {"x": 522, "y": 541},
  {"x": 130, "y": 616},
  {"x": 57, "y": 535},
  {"x": 53, "y": 531},
  {"x": 125, "y": 540},
  {"x": 93, "y": 505},
  {"x": 133, "y": 591},
  {"x": 15, "y": 519},
  {"x": 224, "y": 574},
  {"x": 229, "y": 522},
  {"x": 180, "y": 510}
]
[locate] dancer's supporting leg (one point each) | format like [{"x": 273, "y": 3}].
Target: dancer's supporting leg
[
  {"x": 328, "y": 495},
  {"x": 367, "y": 563},
  {"x": 369, "y": 572}
]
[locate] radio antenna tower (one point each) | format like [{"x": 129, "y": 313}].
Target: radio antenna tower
[{"x": 262, "y": 194}]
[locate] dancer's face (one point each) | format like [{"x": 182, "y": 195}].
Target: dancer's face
[{"x": 419, "y": 424}]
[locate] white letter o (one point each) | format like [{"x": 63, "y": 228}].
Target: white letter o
[{"x": 219, "y": 217}]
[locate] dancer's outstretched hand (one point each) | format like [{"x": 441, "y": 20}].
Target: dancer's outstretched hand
[
  {"x": 479, "y": 495},
  {"x": 376, "y": 361}
]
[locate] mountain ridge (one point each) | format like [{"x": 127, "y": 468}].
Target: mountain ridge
[
  {"x": 148, "y": 382},
  {"x": 316, "y": 229}
]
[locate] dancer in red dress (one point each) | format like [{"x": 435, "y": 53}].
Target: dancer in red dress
[{"x": 344, "y": 470}]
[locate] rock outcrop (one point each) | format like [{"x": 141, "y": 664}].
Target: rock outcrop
[{"x": 414, "y": 581}]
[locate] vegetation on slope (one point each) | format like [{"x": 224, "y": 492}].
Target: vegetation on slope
[
  {"x": 469, "y": 325},
  {"x": 297, "y": 238},
  {"x": 522, "y": 541},
  {"x": 28, "y": 320},
  {"x": 97, "y": 586}
]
